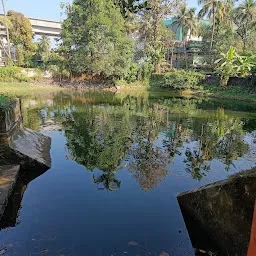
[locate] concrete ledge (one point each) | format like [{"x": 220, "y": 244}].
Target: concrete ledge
[
  {"x": 8, "y": 177},
  {"x": 32, "y": 147},
  {"x": 224, "y": 210}
]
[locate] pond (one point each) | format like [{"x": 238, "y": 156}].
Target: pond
[{"x": 118, "y": 164}]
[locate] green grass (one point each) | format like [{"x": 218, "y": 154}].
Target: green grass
[
  {"x": 230, "y": 92},
  {"x": 15, "y": 89}
]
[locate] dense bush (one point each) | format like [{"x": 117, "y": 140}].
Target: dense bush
[
  {"x": 59, "y": 72},
  {"x": 4, "y": 102},
  {"x": 146, "y": 70},
  {"x": 133, "y": 73},
  {"x": 178, "y": 79},
  {"x": 12, "y": 74}
]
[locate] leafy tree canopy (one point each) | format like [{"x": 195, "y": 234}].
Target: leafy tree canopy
[
  {"x": 94, "y": 35},
  {"x": 21, "y": 32}
]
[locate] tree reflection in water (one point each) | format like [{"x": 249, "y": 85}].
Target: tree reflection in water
[{"x": 109, "y": 132}]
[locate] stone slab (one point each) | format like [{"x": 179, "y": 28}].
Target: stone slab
[
  {"x": 8, "y": 178},
  {"x": 32, "y": 145}
]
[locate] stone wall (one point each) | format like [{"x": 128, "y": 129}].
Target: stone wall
[
  {"x": 10, "y": 120},
  {"x": 233, "y": 81}
]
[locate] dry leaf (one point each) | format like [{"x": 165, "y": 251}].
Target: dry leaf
[
  {"x": 133, "y": 243},
  {"x": 2, "y": 251},
  {"x": 202, "y": 251},
  {"x": 164, "y": 254}
]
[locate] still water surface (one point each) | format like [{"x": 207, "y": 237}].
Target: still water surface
[{"x": 118, "y": 164}]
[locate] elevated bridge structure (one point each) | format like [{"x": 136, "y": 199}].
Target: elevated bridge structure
[
  {"x": 39, "y": 26},
  {"x": 45, "y": 27}
]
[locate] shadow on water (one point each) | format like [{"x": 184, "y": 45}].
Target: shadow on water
[{"x": 10, "y": 217}]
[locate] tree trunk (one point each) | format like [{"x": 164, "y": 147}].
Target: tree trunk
[
  {"x": 245, "y": 36},
  {"x": 172, "y": 59},
  {"x": 185, "y": 54},
  {"x": 7, "y": 34},
  {"x": 213, "y": 28}
]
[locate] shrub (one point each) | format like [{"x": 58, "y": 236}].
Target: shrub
[
  {"x": 133, "y": 72},
  {"x": 178, "y": 79},
  {"x": 4, "y": 102},
  {"x": 12, "y": 74},
  {"x": 146, "y": 70},
  {"x": 59, "y": 72}
]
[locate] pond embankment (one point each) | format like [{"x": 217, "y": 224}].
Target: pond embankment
[{"x": 21, "y": 149}]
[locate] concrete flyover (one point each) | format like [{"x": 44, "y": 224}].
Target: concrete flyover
[{"x": 44, "y": 27}]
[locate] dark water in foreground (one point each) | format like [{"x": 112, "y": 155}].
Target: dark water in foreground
[{"x": 118, "y": 164}]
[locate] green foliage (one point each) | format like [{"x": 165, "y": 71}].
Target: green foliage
[
  {"x": 133, "y": 73},
  {"x": 131, "y": 6},
  {"x": 12, "y": 74},
  {"x": 233, "y": 64},
  {"x": 228, "y": 66},
  {"x": 146, "y": 70},
  {"x": 244, "y": 17},
  {"x": 59, "y": 66},
  {"x": 94, "y": 37},
  {"x": 154, "y": 34},
  {"x": 218, "y": 12},
  {"x": 4, "y": 102},
  {"x": 186, "y": 20},
  {"x": 178, "y": 79},
  {"x": 246, "y": 64},
  {"x": 21, "y": 35},
  {"x": 44, "y": 47}
]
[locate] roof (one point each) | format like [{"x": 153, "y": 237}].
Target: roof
[{"x": 175, "y": 29}]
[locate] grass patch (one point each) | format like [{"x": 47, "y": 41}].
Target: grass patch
[
  {"x": 22, "y": 89},
  {"x": 230, "y": 92}
]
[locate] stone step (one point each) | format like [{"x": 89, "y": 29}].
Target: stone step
[{"x": 8, "y": 178}]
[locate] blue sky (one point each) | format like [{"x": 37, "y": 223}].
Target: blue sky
[{"x": 46, "y": 9}]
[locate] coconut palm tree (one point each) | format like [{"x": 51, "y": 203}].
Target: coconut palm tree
[
  {"x": 44, "y": 45},
  {"x": 245, "y": 17},
  {"x": 7, "y": 31},
  {"x": 186, "y": 21},
  {"x": 215, "y": 10}
]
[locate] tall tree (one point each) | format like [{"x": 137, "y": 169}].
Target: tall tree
[
  {"x": 216, "y": 11},
  {"x": 153, "y": 32},
  {"x": 21, "y": 35},
  {"x": 94, "y": 35},
  {"x": 44, "y": 46},
  {"x": 245, "y": 19},
  {"x": 186, "y": 21},
  {"x": 7, "y": 31}
]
